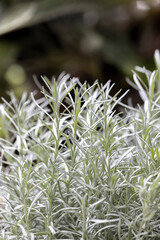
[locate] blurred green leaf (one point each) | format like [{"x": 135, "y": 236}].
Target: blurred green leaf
[{"x": 30, "y": 13}]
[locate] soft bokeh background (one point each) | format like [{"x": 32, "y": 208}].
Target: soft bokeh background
[{"x": 90, "y": 39}]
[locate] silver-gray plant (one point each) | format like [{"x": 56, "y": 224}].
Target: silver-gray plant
[{"x": 74, "y": 168}]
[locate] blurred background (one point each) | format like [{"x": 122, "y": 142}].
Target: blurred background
[{"x": 89, "y": 39}]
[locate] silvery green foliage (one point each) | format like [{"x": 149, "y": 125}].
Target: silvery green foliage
[{"x": 72, "y": 167}]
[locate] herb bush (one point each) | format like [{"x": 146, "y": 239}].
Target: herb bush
[{"x": 72, "y": 167}]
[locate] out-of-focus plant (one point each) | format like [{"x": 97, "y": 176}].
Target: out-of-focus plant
[{"x": 86, "y": 38}]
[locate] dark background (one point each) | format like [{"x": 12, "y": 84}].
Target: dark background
[{"x": 90, "y": 39}]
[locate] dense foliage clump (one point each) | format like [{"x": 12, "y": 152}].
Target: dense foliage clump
[{"x": 72, "y": 167}]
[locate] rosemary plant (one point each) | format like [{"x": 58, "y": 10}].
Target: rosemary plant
[{"x": 72, "y": 167}]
